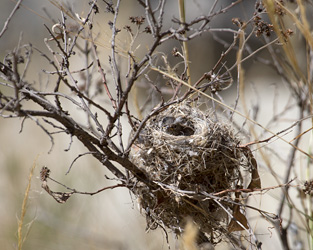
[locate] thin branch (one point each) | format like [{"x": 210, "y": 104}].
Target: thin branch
[
  {"x": 249, "y": 190},
  {"x": 80, "y": 155},
  {"x": 6, "y": 23}
]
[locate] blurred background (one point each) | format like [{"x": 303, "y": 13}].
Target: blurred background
[{"x": 111, "y": 219}]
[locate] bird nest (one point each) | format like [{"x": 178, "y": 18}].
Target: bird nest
[{"x": 191, "y": 158}]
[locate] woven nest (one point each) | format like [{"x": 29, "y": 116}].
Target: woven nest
[{"x": 186, "y": 153}]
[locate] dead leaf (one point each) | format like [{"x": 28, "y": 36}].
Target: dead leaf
[
  {"x": 255, "y": 178},
  {"x": 60, "y": 197},
  {"x": 237, "y": 217}
]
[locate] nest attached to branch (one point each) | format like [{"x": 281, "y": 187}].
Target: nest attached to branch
[{"x": 190, "y": 157}]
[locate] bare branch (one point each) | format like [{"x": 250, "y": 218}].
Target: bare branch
[{"x": 6, "y": 24}]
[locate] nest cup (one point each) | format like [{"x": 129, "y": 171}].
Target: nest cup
[{"x": 185, "y": 153}]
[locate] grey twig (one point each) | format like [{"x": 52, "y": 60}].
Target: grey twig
[{"x": 6, "y": 24}]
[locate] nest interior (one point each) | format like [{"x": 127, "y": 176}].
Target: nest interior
[{"x": 185, "y": 152}]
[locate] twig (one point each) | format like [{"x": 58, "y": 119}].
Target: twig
[
  {"x": 6, "y": 23},
  {"x": 80, "y": 155},
  {"x": 182, "y": 17},
  {"x": 247, "y": 190},
  {"x": 74, "y": 191},
  {"x": 280, "y": 132}
]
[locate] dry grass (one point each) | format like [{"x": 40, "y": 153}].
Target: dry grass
[{"x": 20, "y": 237}]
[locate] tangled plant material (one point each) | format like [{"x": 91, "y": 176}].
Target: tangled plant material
[{"x": 186, "y": 153}]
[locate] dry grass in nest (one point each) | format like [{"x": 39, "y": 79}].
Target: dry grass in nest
[{"x": 186, "y": 153}]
